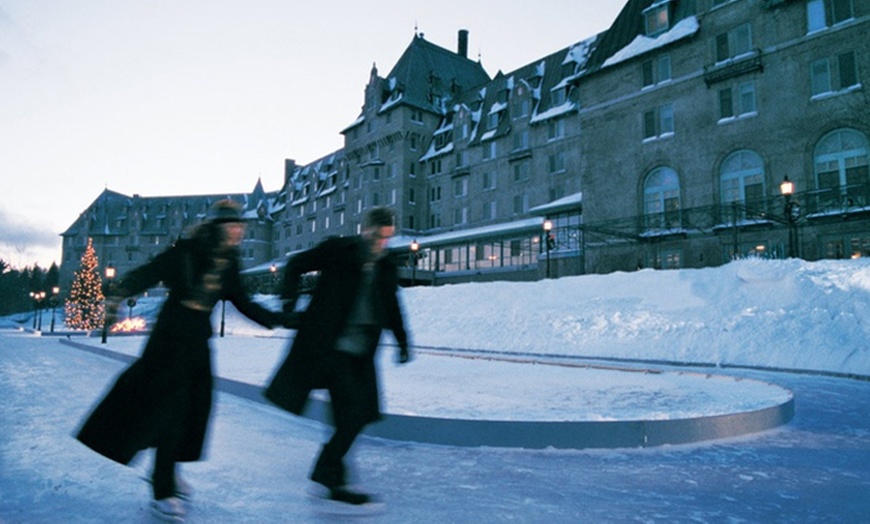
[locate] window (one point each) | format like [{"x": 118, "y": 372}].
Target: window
[
  {"x": 460, "y": 215},
  {"x": 492, "y": 120},
  {"x": 741, "y": 178},
  {"x": 521, "y": 204},
  {"x": 435, "y": 194},
  {"x": 520, "y": 108},
  {"x": 521, "y": 172},
  {"x": 417, "y": 116},
  {"x": 489, "y": 150},
  {"x": 737, "y": 101},
  {"x": 825, "y": 13},
  {"x": 488, "y": 180},
  {"x": 659, "y": 122},
  {"x": 661, "y": 202},
  {"x": 657, "y": 18},
  {"x": 442, "y": 139},
  {"x": 555, "y": 129},
  {"x": 830, "y": 75},
  {"x": 734, "y": 43},
  {"x": 556, "y": 162},
  {"x": 460, "y": 186},
  {"x": 841, "y": 164},
  {"x": 489, "y": 210},
  {"x": 557, "y": 97},
  {"x": 656, "y": 71},
  {"x": 412, "y": 198},
  {"x": 521, "y": 140}
]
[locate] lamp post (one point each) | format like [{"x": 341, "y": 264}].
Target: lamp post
[
  {"x": 223, "y": 316},
  {"x": 274, "y": 270},
  {"x": 33, "y": 298},
  {"x": 791, "y": 211},
  {"x": 131, "y": 303},
  {"x": 110, "y": 274},
  {"x": 54, "y": 298},
  {"x": 413, "y": 256},
  {"x": 40, "y": 300},
  {"x": 548, "y": 227}
]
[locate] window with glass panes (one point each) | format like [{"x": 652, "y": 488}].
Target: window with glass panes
[
  {"x": 662, "y": 199},
  {"x": 842, "y": 167}
]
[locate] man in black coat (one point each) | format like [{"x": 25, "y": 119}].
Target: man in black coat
[{"x": 337, "y": 338}]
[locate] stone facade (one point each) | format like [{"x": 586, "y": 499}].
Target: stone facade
[{"x": 661, "y": 142}]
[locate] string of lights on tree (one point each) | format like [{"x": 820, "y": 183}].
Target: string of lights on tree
[{"x": 84, "y": 307}]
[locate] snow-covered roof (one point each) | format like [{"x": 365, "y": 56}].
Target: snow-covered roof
[
  {"x": 478, "y": 233},
  {"x": 562, "y": 204},
  {"x": 553, "y": 112},
  {"x": 643, "y": 44}
]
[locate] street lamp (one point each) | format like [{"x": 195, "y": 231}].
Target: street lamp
[
  {"x": 54, "y": 298},
  {"x": 40, "y": 301},
  {"x": 223, "y": 316},
  {"x": 792, "y": 212},
  {"x": 548, "y": 227},
  {"x": 131, "y": 303},
  {"x": 274, "y": 270},
  {"x": 413, "y": 256},
  {"x": 33, "y": 298},
  {"x": 110, "y": 274}
]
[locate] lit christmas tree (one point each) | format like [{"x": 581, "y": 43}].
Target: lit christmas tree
[{"x": 85, "y": 308}]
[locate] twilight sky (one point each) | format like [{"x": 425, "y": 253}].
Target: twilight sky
[{"x": 160, "y": 97}]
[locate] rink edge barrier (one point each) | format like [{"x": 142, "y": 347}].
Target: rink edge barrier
[{"x": 525, "y": 434}]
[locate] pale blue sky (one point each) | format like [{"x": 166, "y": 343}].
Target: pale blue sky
[{"x": 161, "y": 97}]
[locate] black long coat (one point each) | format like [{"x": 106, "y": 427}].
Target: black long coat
[
  {"x": 340, "y": 264},
  {"x": 166, "y": 394}
]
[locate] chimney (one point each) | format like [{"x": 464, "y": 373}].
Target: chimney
[
  {"x": 463, "y": 43},
  {"x": 289, "y": 167}
]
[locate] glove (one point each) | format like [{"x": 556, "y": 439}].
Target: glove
[{"x": 403, "y": 355}]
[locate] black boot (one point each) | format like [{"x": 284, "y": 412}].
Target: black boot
[{"x": 328, "y": 475}]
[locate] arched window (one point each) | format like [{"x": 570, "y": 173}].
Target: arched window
[
  {"x": 661, "y": 199},
  {"x": 741, "y": 180},
  {"x": 841, "y": 165}
]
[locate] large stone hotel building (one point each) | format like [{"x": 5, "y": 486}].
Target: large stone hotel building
[{"x": 689, "y": 133}]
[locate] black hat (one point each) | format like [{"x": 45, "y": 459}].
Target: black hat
[{"x": 224, "y": 211}]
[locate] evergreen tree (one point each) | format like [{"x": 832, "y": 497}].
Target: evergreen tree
[{"x": 84, "y": 307}]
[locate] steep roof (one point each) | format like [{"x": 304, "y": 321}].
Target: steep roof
[
  {"x": 427, "y": 75},
  {"x": 629, "y": 27}
]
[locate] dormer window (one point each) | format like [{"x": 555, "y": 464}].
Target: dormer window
[
  {"x": 657, "y": 17},
  {"x": 558, "y": 97}
]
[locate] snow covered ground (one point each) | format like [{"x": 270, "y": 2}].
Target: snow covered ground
[{"x": 748, "y": 319}]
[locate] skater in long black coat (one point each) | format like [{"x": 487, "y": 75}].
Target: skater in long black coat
[
  {"x": 164, "y": 399},
  {"x": 335, "y": 345}
]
